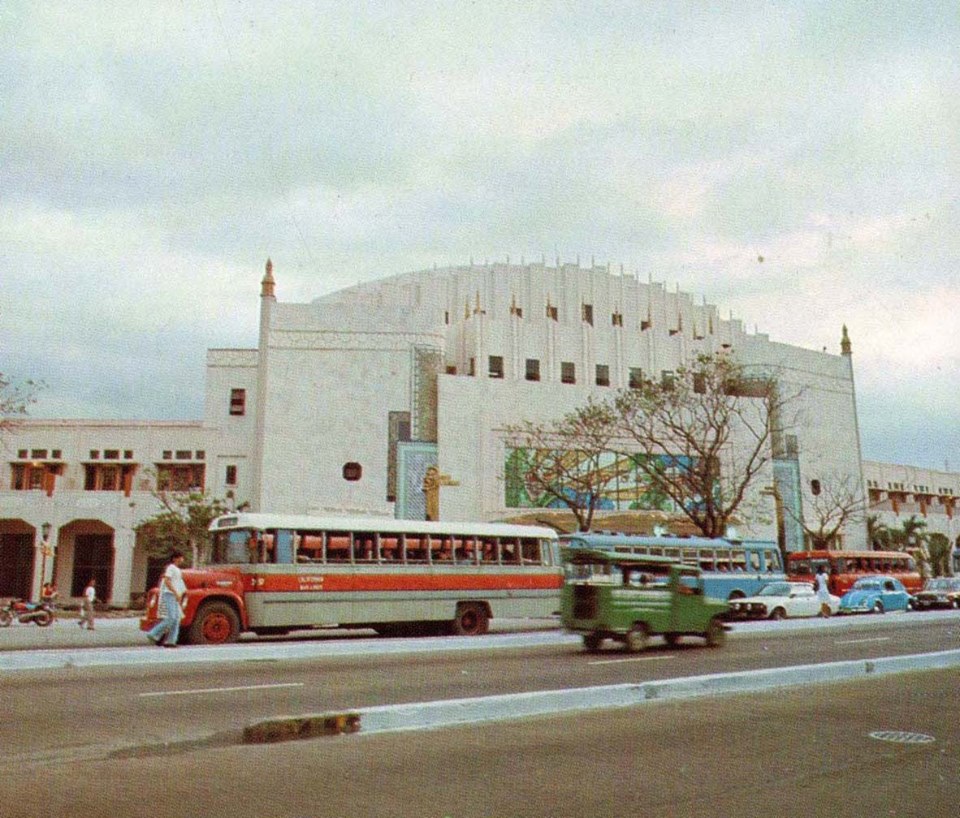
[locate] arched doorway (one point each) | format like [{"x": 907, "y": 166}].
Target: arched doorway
[
  {"x": 16, "y": 558},
  {"x": 92, "y": 557}
]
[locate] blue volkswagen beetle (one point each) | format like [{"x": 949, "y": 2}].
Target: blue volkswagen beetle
[{"x": 876, "y": 595}]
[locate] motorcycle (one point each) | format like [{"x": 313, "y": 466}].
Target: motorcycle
[{"x": 38, "y": 612}]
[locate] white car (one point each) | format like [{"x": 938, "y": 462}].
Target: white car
[{"x": 781, "y": 599}]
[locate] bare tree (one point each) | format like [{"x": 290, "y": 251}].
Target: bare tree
[
  {"x": 833, "y": 503},
  {"x": 567, "y": 461},
  {"x": 15, "y": 399},
  {"x": 704, "y": 435}
]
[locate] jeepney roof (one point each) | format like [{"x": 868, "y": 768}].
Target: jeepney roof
[{"x": 590, "y": 556}]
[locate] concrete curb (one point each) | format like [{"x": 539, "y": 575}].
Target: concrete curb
[{"x": 430, "y": 715}]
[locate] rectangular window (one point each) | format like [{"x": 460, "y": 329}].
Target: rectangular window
[
  {"x": 533, "y": 369},
  {"x": 38, "y": 454},
  {"x": 603, "y": 375},
  {"x": 107, "y": 477},
  {"x": 636, "y": 377},
  {"x": 568, "y": 372},
  {"x": 200, "y": 454},
  {"x": 167, "y": 454},
  {"x": 238, "y": 401},
  {"x": 586, "y": 312},
  {"x": 183, "y": 454},
  {"x": 496, "y": 366},
  {"x": 180, "y": 478},
  {"x": 128, "y": 454},
  {"x": 111, "y": 454},
  {"x": 666, "y": 378},
  {"x": 94, "y": 454},
  {"x": 231, "y": 477},
  {"x": 617, "y": 319},
  {"x": 22, "y": 454}
]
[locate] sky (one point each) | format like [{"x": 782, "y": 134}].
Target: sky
[{"x": 794, "y": 163}]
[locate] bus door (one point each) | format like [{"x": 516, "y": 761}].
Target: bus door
[{"x": 283, "y": 547}]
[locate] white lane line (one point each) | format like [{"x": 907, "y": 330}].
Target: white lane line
[
  {"x": 635, "y": 659},
  {"x": 218, "y": 690},
  {"x": 860, "y": 641}
]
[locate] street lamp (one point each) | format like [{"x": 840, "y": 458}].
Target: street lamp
[{"x": 45, "y": 551}]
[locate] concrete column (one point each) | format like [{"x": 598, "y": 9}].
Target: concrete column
[{"x": 124, "y": 540}]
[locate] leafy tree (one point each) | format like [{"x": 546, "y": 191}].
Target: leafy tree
[
  {"x": 15, "y": 399},
  {"x": 878, "y": 533},
  {"x": 182, "y": 524},
  {"x": 938, "y": 549},
  {"x": 714, "y": 426},
  {"x": 837, "y": 501},
  {"x": 564, "y": 462}
]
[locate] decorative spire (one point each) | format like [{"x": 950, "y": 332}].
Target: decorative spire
[
  {"x": 267, "y": 285},
  {"x": 845, "y": 347}
]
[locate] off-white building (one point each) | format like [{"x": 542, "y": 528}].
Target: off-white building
[{"x": 347, "y": 401}]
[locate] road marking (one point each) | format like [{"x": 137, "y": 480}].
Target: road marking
[
  {"x": 859, "y": 641},
  {"x": 901, "y": 737},
  {"x": 635, "y": 659},
  {"x": 218, "y": 690}
]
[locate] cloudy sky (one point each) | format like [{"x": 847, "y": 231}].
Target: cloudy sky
[{"x": 153, "y": 155}]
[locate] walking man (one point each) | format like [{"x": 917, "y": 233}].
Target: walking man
[
  {"x": 86, "y": 604},
  {"x": 823, "y": 590},
  {"x": 172, "y": 589}
]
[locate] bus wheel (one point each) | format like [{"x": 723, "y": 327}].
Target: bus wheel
[
  {"x": 778, "y": 613},
  {"x": 878, "y": 606},
  {"x": 636, "y": 638},
  {"x": 214, "y": 624},
  {"x": 470, "y": 620},
  {"x": 672, "y": 639},
  {"x": 592, "y": 641},
  {"x": 715, "y": 635}
]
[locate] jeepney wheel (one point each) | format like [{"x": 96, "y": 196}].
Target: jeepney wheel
[
  {"x": 214, "y": 624},
  {"x": 636, "y": 638},
  {"x": 672, "y": 639},
  {"x": 470, "y": 620},
  {"x": 592, "y": 642},
  {"x": 878, "y": 607},
  {"x": 716, "y": 635}
]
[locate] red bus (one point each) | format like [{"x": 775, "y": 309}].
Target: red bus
[
  {"x": 846, "y": 567},
  {"x": 272, "y": 573}
]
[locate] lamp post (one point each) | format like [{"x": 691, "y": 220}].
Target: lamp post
[{"x": 45, "y": 551}]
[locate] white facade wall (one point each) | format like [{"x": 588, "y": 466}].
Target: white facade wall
[{"x": 898, "y": 492}]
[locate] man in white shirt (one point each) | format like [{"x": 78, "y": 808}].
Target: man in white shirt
[{"x": 172, "y": 589}]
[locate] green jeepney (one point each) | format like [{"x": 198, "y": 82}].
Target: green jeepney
[{"x": 630, "y": 597}]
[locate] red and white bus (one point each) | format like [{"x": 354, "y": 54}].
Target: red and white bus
[
  {"x": 846, "y": 567},
  {"x": 273, "y": 573}
]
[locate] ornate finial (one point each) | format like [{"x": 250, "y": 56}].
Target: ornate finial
[
  {"x": 845, "y": 347},
  {"x": 267, "y": 285}
]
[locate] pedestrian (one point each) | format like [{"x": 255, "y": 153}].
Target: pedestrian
[
  {"x": 172, "y": 590},
  {"x": 823, "y": 590},
  {"x": 48, "y": 595},
  {"x": 86, "y": 604}
]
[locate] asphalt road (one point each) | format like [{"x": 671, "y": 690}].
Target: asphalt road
[{"x": 807, "y": 752}]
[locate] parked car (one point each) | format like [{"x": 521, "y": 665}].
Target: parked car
[
  {"x": 781, "y": 599},
  {"x": 939, "y": 592},
  {"x": 876, "y": 595}
]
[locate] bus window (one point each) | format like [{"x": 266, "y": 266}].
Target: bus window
[
  {"x": 463, "y": 550},
  {"x": 283, "y": 552},
  {"x": 739, "y": 559},
  {"x": 488, "y": 550},
  {"x": 231, "y": 547},
  {"x": 754, "y": 557},
  {"x": 771, "y": 560},
  {"x": 390, "y": 548},
  {"x": 418, "y": 547},
  {"x": 656, "y": 552},
  {"x": 707, "y": 560},
  {"x": 441, "y": 549},
  {"x": 509, "y": 551},
  {"x": 673, "y": 553},
  {"x": 530, "y": 550},
  {"x": 338, "y": 546},
  {"x": 690, "y": 556},
  {"x": 310, "y": 548}
]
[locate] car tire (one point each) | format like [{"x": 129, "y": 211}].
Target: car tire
[
  {"x": 878, "y": 607},
  {"x": 636, "y": 638},
  {"x": 778, "y": 613},
  {"x": 592, "y": 642},
  {"x": 672, "y": 639}
]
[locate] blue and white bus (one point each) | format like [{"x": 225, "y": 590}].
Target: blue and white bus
[{"x": 732, "y": 569}]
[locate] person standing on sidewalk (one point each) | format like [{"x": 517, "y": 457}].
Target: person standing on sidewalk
[
  {"x": 172, "y": 588},
  {"x": 823, "y": 590},
  {"x": 86, "y": 604}
]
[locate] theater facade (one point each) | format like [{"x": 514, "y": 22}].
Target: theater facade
[{"x": 347, "y": 401}]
